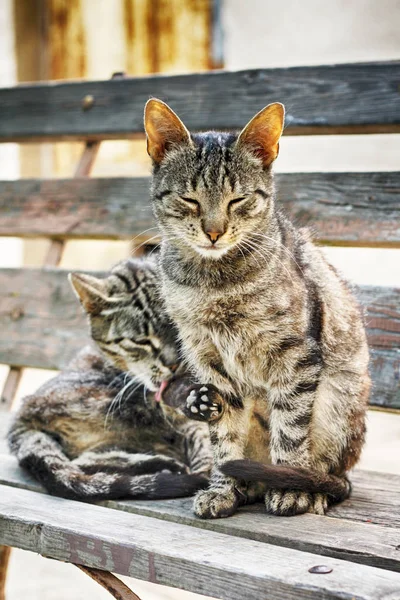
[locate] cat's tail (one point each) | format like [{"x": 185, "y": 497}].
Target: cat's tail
[
  {"x": 283, "y": 477},
  {"x": 44, "y": 458}
]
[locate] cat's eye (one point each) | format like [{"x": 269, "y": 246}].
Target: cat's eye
[
  {"x": 190, "y": 201},
  {"x": 237, "y": 200},
  {"x": 147, "y": 343}
]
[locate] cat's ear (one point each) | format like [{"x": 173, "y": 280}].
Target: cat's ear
[
  {"x": 262, "y": 134},
  {"x": 164, "y": 129},
  {"x": 91, "y": 291}
]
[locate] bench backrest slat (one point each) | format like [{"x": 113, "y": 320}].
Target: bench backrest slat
[
  {"x": 43, "y": 326},
  {"x": 341, "y": 208},
  {"x": 348, "y": 98}
]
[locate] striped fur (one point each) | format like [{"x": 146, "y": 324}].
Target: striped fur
[
  {"x": 95, "y": 432},
  {"x": 262, "y": 315}
]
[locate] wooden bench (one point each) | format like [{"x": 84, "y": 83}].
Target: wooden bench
[{"x": 250, "y": 555}]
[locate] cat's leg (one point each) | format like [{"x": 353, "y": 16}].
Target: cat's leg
[
  {"x": 228, "y": 438},
  {"x": 198, "y": 450},
  {"x": 119, "y": 461},
  {"x": 290, "y": 444}
]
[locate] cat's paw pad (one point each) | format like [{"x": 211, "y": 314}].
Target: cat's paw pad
[
  {"x": 210, "y": 504},
  {"x": 286, "y": 503},
  {"x": 203, "y": 403}
]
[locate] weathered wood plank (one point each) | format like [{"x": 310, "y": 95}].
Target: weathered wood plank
[
  {"x": 319, "y": 99},
  {"x": 350, "y": 535},
  {"x": 375, "y": 498},
  {"x": 42, "y": 326},
  {"x": 172, "y": 554},
  {"x": 41, "y": 321},
  {"x": 360, "y": 209},
  {"x": 116, "y": 208},
  {"x": 354, "y": 209}
]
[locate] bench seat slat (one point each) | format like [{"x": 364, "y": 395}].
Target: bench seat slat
[
  {"x": 42, "y": 326},
  {"x": 341, "y": 208},
  {"x": 361, "y": 542},
  {"x": 344, "y": 98},
  {"x": 172, "y": 554}
]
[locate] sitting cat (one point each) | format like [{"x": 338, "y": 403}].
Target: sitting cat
[
  {"x": 95, "y": 432},
  {"x": 261, "y": 314}
]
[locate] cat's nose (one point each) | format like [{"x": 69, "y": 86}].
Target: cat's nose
[
  {"x": 214, "y": 235},
  {"x": 173, "y": 368}
]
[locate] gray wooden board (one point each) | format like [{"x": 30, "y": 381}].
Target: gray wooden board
[
  {"x": 341, "y": 208},
  {"x": 173, "y": 554},
  {"x": 42, "y": 326},
  {"x": 350, "y": 531},
  {"x": 319, "y": 99}
]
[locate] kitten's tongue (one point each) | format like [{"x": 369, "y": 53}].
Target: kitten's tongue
[{"x": 159, "y": 392}]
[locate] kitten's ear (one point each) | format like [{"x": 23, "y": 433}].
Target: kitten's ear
[
  {"x": 91, "y": 291},
  {"x": 164, "y": 129},
  {"x": 261, "y": 135}
]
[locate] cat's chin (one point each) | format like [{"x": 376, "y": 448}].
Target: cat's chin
[{"x": 211, "y": 251}]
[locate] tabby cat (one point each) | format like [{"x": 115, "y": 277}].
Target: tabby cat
[
  {"x": 96, "y": 432},
  {"x": 264, "y": 320}
]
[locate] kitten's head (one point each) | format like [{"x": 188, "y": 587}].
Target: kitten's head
[
  {"x": 212, "y": 191},
  {"x": 128, "y": 320}
]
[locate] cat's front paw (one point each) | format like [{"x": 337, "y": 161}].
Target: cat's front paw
[
  {"x": 203, "y": 403},
  {"x": 286, "y": 503},
  {"x": 210, "y": 504}
]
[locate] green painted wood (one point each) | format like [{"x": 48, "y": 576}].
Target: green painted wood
[{"x": 360, "y": 97}]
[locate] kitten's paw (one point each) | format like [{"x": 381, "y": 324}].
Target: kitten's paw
[
  {"x": 203, "y": 403},
  {"x": 210, "y": 504},
  {"x": 286, "y": 503}
]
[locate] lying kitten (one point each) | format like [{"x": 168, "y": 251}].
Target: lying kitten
[
  {"x": 94, "y": 432},
  {"x": 261, "y": 315}
]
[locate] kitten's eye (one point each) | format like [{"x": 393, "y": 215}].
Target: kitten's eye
[
  {"x": 190, "y": 201},
  {"x": 237, "y": 200}
]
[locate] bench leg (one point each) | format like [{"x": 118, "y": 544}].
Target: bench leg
[
  {"x": 5, "y": 552},
  {"x": 108, "y": 581}
]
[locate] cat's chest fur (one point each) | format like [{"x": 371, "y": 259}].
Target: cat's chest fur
[{"x": 225, "y": 326}]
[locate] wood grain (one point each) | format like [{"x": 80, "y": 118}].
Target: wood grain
[
  {"x": 97, "y": 208},
  {"x": 360, "y": 209},
  {"x": 364, "y": 529},
  {"x": 350, "y": 98},
  {"x": 42, "y": 326},
  {"x": 179, "y": 555},
  {"x": 354, "y": 209}
]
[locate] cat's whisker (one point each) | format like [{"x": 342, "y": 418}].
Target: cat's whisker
[
  {"x": 260, "y": 234},
  {"x": 280, "y": 262},
  {"x": 146, "y": 241},
  {"x": 118, "y": 398},
  {"x": 142, "y": 233},
  {"x": 252, "y": 250}
]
